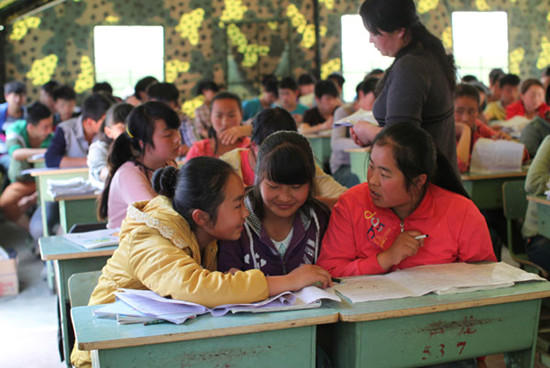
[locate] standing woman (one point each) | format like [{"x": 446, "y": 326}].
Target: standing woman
[{"x": 418, "y": 87}]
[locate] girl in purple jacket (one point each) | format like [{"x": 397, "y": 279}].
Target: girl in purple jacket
[{"x": 286, "y": 224}]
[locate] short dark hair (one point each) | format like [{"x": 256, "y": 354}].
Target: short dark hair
[
  {"x": 95, "y": 106},
  {"x": 288, "y": 83},
  {"x": 206, "y": 85},
  {"x": 142, "y": 84},
  {"x": 509, "y": 80},
  {"x": 37, "y": 111},
  {"x": 227, "y": 96},
  {"x": 367, "y": 86},
  {"x": 50, "y": 86},
  {"x": 272, "y": 86},
  {"x": 468, "y": 78},
  {"x": 269, "y": 121},
  {"x": 104, "y": 87},
  {"x": 199, "y": 184},
  {"x": 326, "y": 87},
  {"x": 528, "y": 83},
  {"x": 305, "y": 79},
  {"x": 14, "y": 87},
  {"x": 163, "y": 92},
  {"x": 338, "y": 78},
  {"x": 467, "y": 90},
  {"x": 495, "y": 75},
  {"x": 64, "y": 92}
]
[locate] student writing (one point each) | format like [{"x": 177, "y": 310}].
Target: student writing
[
  {"x": 410, "y": 191},
  {"x": 286, "y": 223},
  {"x": 151, "y": 141},
  {"x": 168, "y": 244}
]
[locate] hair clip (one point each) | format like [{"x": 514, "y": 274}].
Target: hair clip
[{"x": 128, "y": 132}]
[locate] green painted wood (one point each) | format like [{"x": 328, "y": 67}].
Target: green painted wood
[
  {"x": 321, "y": 148},
  {"x": 77, "y": 211},
  {"x": 486, "y": 194},
  {"x": 359, "y": 164},
  {"x": 287, "y": 347},
  {"x": 543, "y": 212},
  {"x": 438, "y": 337},
  {"x": 81, "y": 285}
]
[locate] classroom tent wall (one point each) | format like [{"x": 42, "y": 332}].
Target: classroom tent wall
[{"x": 57, "y": 40}]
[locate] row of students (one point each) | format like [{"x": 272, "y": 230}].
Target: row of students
[{"x": 169, "y": 244}]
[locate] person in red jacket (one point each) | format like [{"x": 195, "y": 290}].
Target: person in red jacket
[
  {"x": 531, "y": 102},
  {"x": 411, "y": 211}
]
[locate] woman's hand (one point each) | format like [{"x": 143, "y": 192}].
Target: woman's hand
[
  {"x": 233, "y": 134},
  {"x": 404, "y": 246},
  {"x": 363, "y": 133}
]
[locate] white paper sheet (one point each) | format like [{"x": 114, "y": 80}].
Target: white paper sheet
[
  {"x": 496, "y": 155},
  {"x": 360, "y": 114}
]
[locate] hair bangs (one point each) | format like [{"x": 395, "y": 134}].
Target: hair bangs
[{"x": 287, "y": 166}]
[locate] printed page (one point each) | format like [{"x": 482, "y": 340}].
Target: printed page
[
  {"x": 496, "y": 156},
  {"x": 369, "y": 288},
  {"x": 355, "y": 117},
  {"x": 311, "y": 294},
  {"x": 512, "y": 126},
  {"x": 151, "y": 304},
  {"x": 94, "y": 239}
]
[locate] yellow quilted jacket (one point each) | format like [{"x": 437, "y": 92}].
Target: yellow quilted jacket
[{"x": 158, "y": 251}]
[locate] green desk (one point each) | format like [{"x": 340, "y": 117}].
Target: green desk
[
  {"x": 543, "y": 214},
  {"x": 281, "y": 339},
  {"x": 42, "y": 176},
  {"x": 69, "y": 258},
  {"x": 435, "y": 329},
  {"x": 486, "y": 189},
  {"x": 76, "y": 210},
  {"x": 359, "y": 162},
  {"x": 37, "y": 162},
  {"x": 320, "y": 145}
]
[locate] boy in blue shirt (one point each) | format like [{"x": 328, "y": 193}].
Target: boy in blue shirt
[{"x": 288, "y": 99}]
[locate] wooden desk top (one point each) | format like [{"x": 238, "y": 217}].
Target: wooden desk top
[
  {"x": 58, "y": 248},
  {"x": 539, "y": 199},
  {"x": 99, "y": 333},
  {"x": 321, "y": 134},
  {"x": 383, "y": 309},
  {"x": 496, "y": 175},
  {"x": 57, "y": 171},
  {"x": 75, "y": 197},
  {"x": 33, "y": 160}
]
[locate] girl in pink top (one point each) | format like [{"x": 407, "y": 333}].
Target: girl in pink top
[
  {"x": 151, "y": 141},
  {"x": 226, "y": 132},
  {"x": 411, "y": 211}
]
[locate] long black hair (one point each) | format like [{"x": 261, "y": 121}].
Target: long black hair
[
  {"x": 199, "y": 184},
  {"x": 389, "y": 16},
  {"x": 130, "y": 146},
  {"x": 415, "y": 153},
  {"x": 115, "y": 115},
  {"x": 285, "y": 157}
]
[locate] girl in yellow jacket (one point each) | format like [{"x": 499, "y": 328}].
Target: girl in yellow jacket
[{"x": 168, "y": 244}]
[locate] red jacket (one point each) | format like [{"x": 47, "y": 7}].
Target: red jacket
[
  {"x": 482, "y": 131},
  {"x": 358, "y": 231},
  {"x": 517, "y": 108}
]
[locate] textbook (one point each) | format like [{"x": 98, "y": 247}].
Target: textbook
[
  {"x": 360, "y": 114},
  {"x": 496, "y": 156},
  {"x": 94, "y": 239},
  {"x": 143, "y": 304},
  {"x": 440, "y": 279}
]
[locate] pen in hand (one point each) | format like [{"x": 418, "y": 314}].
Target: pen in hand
[{"x": 423, "y": 236}]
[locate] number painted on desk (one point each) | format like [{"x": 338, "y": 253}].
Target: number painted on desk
[{"x": 427, "y": 353}]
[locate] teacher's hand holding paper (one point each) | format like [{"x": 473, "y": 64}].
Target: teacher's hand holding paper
[{"x": 364, "y": 132}]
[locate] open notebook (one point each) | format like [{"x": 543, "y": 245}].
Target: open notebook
[{"x": 146, "y": 305}]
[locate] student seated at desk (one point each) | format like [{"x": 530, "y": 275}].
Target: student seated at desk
[
  {"x": 286, "y": 223},
  {"x": 468, "y": 127},
  {"x": 64, "y": 104},
  {"x": 73, "y": 137},
  {"x": 267, "y": 122},
  {"x": 321, "y": 117},
  {"x": 226, "y": 132},
  {"x": 536, "y": 183},
  {"x": 25, "y": 138},
  {"x": 113, "y": 126},
  {"x": 151, "y": 141},
  {"x": 531, "y": 102},
  {"x": 509, "y": 93},
  {"x": 168, "y": 244},
  {"x": 411, "y": 191}
]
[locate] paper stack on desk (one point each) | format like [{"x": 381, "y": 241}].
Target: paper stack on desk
[
  {"x": 441, "y": 279},
  {"x": 68, "y": 187},
  {"x": 146, "y": 305}
]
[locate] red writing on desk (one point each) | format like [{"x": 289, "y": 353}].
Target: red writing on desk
[
  {"x": 438, "y": 350},
  {"x": 466, "y": 326}
]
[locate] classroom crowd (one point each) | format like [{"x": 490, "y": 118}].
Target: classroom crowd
[{"x": 251, "y": 201}]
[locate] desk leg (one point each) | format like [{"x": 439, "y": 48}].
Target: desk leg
[
  {"x": 293, "y": 347},
  {"x": 440, "y": 337},
  {"x": 63, "y": 270}
]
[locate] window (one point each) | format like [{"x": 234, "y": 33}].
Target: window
[
  {"x": 125, "y": 54},
  {"x": 476, "y": 52},
  {"x": 359, "y": 56}
]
